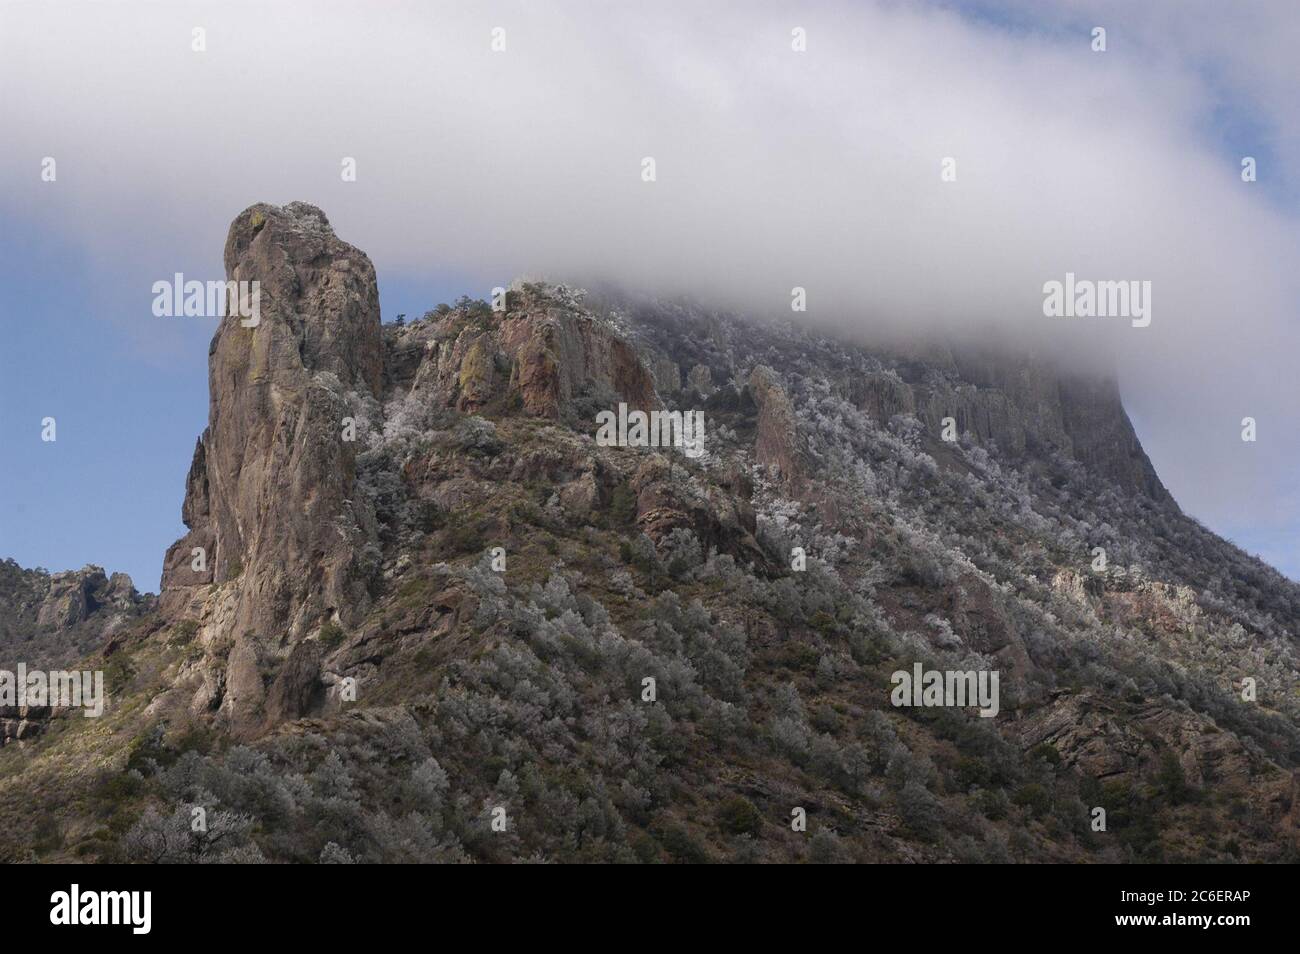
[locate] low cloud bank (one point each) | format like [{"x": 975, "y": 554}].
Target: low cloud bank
[{"x": 918, "y": 168}]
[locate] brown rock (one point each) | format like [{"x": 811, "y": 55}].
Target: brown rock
[
  {"x": 1108, "y": 739},
  {"x": 582, "y": 495},
  {"x": 561, "y": 354},
  {"x": 244, "y": 695},
  {"x": 717, "y": 519},
  {"x": 270, "y": 489},
  {"x": 777, "y": 442}
]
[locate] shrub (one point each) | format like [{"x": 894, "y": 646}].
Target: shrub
[
  {"x": 1172, "y": 781},
  {"x": 920, "y": 810},
  {"x": 184, "y": 631},
  {"x": 622, "y": 506},
  {"x": 1047, "y": 752},
  {"x": 332, "y": 635},
  {"x": 738, "y": 816},
  {"x": 679, "y": 843},
  {"x": 1033, "y": 797},
  {"x": 825, "y": 848},
  {"x": 463, "y": 536}
]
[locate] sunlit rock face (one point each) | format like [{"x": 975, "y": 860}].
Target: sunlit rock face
[{"x": 269, "y": 499}]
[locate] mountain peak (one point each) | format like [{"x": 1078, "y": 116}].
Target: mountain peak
[{"x": 410, "y": 544}]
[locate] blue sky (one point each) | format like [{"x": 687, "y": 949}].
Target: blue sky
[{"x": 475, "y": 169}]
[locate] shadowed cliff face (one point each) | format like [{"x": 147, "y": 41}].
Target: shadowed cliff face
[{"x": 1030, "y": 407}]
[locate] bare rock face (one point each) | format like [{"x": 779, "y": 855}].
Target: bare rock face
[
  {"x": 1102, "y": 437},
  {"x": 51, "y": 621},
  {"x": 56, "y": 621},
  {"x": 22, "y": 723},
  {"x": 182, "y": 565},
  {"x": 666, "y": 373},
  {"x": 1109, "y": 739},
  {"x": 700, "y": 380},
  {"x": 881, "y": 394},
  {"x": 539, "y": 354},
  {"x": 777, "y": 444},
  {"x": 559, "y": 354},
  {"x": 75, "y": 595},
  {"x": 297, "y": 688},
  {"x": 269, "y": 497},
  {"x": 70, "y": 598},
  {"x": 719, "y": 519}
]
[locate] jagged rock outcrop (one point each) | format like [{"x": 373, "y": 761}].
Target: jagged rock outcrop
[
  {"x": 51, "y": 621},
  {"x": 700, "y": 380},
  {"x": 271, "y": 504},
  {"x": 537, "y": 354},
  {"x": 269, "y": 497},
  {"x": 667, "y": 375},
  {"x": 60, "y": 621},
  {"x": 1108, "y": 739},
  {"x": 777, "y": 443},
  {"x": 22, "y": 723},
  {"x": 721, "y": 518},
  {"x": 76, "y": 594}
]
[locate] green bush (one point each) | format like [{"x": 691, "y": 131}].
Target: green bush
[
  {"x": 622, "y": 506},
  {"x": 1171, "y": 780},
  {"x": 1033, "y": 797},
  {"x": 332, "y": 635},
  {"x": 184, "y": 631},
  {"x": 677, "y": 841},
  {"x": 462, "y": 536},
  {"x": 1047, "y": 752},
  {"x": 738, "y": 816}
]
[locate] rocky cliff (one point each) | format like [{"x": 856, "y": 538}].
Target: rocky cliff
[
  {"x": 270, "y": 499},
  {"x": 427, "y": 594},
  {"x": 52, "y": 622},
  {"x": 1028, "y": 406}
]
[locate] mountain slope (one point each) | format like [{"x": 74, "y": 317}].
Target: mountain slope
[{"x": 431, "y": 602}]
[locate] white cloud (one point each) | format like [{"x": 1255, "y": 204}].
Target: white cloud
[{"x": 775, "y": 168}]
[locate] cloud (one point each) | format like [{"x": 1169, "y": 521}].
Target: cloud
[{"x": 774, "y": 168}]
